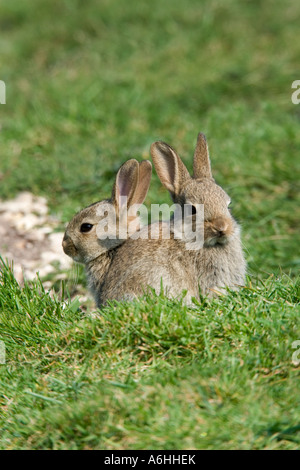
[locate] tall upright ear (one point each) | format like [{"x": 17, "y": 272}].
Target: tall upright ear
[
  {"x": 126, "y": 184},
  {"x": 169, "y": 167},
  {"x": 201, "y": 163},
  {"x": 145, "y": 173}
]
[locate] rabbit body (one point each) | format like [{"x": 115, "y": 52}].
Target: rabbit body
[
  {"x": 161, "y": 264},
  {"x": 82, "y": 241},
  {"x": 218, "y": 264},
  {"x": 167, "y": 264},
  {"x": 122, "y": 269}
]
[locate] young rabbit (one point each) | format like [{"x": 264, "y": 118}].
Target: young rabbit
[
  {"x": 82, "y": 241},
  {"x": 220, "y": 262},
  {"x": 168, "y": 263}
]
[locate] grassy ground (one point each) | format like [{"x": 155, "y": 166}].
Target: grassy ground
[
  {"x": 152, "y": 374},
  {"x": 90, "y": 84}
]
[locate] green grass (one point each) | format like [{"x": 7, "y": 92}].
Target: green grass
[
  {"x": 150, "y": 374},
  {"x": 89, "y": 85}
]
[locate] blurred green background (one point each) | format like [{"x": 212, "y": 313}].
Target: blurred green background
[
  {"x": 93, "y": 83},
  {"x": 90, "y": 84}
]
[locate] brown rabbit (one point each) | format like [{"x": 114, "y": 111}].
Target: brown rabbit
[
  {"x": 167, "y": 262},
  {"x": 81, "y": 240},
  {"x": 220, "y": 262}
]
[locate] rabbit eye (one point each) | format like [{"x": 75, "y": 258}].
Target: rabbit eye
[{"x": 86, "y": 228}]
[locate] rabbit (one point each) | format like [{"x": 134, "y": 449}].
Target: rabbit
[
  {"x": 167, "y": 263},
  {"x": 220, "y": 263},
  {"x": 81, "y": 239}
]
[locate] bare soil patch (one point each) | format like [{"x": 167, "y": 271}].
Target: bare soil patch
[{"x": 28, "y": 238}]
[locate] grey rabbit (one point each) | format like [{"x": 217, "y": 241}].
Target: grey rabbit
[{"x": 140, "y": 261}]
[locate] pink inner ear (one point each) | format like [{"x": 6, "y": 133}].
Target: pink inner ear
[
  {"x": 166, "y": 166},
  {"x": 123, "y": 189}
]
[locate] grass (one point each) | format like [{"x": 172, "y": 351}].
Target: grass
[
  {"x": 150, "y": 374},
  {"x": 89, "y": 85}
]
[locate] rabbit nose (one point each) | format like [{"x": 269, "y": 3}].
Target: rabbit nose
[
  {"x": 65, "y": 241},
  {"x": 222, "y": 230},
  {"x": 67, "y": 245}
]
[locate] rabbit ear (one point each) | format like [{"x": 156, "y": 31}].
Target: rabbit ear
[
  {"x": 145, "y": 172},
  {"x": 201, "y": 163},
  {"x": 169, "y": 167},
  {"x": 126, "y": 183}
]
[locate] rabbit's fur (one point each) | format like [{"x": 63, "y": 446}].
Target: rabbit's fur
[
  {"x": 220, "y": 262},
  {"x": 124, "y": 271},
  {"x": 132, "y": 181},
  {"x": 168, "y": 263}
]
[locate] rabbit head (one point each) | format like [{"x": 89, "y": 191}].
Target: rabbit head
[
  {"x": 104, "y": 225},
  {"x": 194, "y": 190}
]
